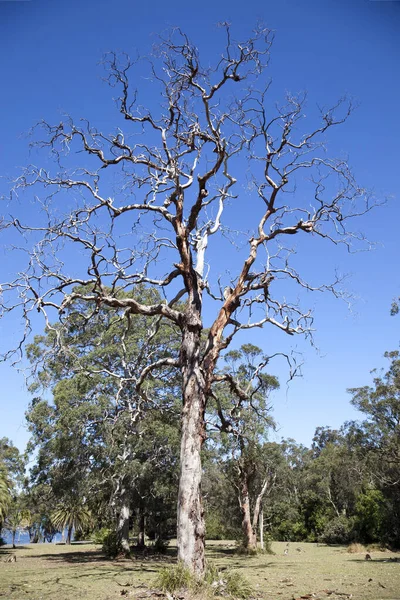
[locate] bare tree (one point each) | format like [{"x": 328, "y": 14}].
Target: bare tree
[{"x": 145, "y": 201}]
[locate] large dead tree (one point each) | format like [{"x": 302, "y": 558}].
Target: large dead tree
[{"x": 140, "y": 206}]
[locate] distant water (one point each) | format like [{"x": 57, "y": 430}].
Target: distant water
[{"x": 22, "y": 538}]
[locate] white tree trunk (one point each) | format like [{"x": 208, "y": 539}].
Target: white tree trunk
[
  {"x": 191, "y": 527},
  {"x": 261, "y": 524},
  {"x": 123, "y": 525}
]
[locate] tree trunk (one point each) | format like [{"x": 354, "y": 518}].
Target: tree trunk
[
  {"x": 191, "y": 528},
  {"x": 123, "y": 524},
  {"x": 249, "y": 535},
  {"x": 261, "y": 525},
  {"x": 13, "y": 538},
  {"x": 141, "y": 536},
  {"x": 69, "y": 535}
]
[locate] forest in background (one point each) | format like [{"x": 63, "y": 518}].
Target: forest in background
[{"x": 100, "y": 471}]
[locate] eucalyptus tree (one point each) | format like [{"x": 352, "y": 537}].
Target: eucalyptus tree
[
  {"x": 378, "y": 440},
  {"x": 13, "y": 461},
  {"x": 96, "y": 437},
  {"x": 244, "y": 422},
  {"x": 5, "y": 492},
  {"x": 179, "y": 192}
]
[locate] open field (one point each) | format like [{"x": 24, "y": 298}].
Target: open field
[{"x": 45, "y": 571}]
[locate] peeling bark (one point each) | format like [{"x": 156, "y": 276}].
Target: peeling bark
[
  {"x": 191, "y": 526},
  {"x": 261, "y": 526},
  {"x": 249, "y": 534},
  {"x": 123, "y": 525}
]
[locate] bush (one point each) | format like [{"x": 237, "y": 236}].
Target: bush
[
  {"x": 338, "y": 531},
  {"x": 160, "y": 545},
  {"x": 215, "y": 583},
  {"x": 2, "y": 541},
  {"x": 99, "y": 536},
  {"x": 236, "y": 585},
  {"x": 177, "y": 577},
  {"x": 108, "y": 540}
]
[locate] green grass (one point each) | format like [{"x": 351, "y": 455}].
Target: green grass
[{"x": 47, "y": 571}]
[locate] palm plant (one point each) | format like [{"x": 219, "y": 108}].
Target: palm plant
[
  {"x": 71, "y": 515},
  {"x": 17, "y": 519}
]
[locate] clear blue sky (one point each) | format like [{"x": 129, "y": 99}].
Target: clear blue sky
[{"x": 49, "y": 58}]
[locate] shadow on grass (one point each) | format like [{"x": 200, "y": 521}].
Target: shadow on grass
[
  {"x": 72, "y": 557},
  {"x": 375, "y": 560},
  {"x": 216, "y": 551},
  {"x": 141, "y": 560},
  {"x": 8, "y": 549}
]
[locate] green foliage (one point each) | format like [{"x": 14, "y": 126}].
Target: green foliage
[
  {"x": 370, "y": 515},
  {"x": 111, "y": 545},
  {"x": 71, "y": 515},
  {"x": 160, "y": 545},
  {"x": 92, "y": 441},
  {"x": 217, "y": 528},
  {"x": 108, "y": 539},
  {"x": 100, "y": 535},
  {"x": 5, "y": 492},
  {"x": 339, "y": 530},
  {"x": 236, "y": 585}
]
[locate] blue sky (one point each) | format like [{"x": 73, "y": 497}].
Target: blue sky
[{"x": 49, "y": 66}]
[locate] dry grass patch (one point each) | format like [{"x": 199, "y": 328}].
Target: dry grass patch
[{"x": 356, "y": 549}]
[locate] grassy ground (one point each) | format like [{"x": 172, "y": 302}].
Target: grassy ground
[{"x": 44, "y": 571}]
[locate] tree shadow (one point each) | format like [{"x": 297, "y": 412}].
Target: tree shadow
[
  {"x": 72, "y": 557},
  {"x": 389, "y": 561},
  {"x": 8, "y": 549}
]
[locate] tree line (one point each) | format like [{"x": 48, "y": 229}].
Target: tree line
[{"x": 103, "y": 469}]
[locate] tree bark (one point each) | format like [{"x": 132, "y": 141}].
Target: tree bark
[
  {"x": 249, "y": 535},
  {"x": 123, "y": 524},
  {"x": 141, "y": 536},
  {"x": 261, "y": 525},
  {"x": 191, "y": 527},
  {"x": 69, "y": 535}
]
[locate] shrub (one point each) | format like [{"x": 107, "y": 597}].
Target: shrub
[
  {"x": 2, "y": 541},
  {"x": 160, "y": 545},
  {"x": 177, "y": 577},
  {"x": 99, "y": 536},
  {"x": 108, "y": 540},
  {"x": 215, "y": 583},
  {"x": 338, "y": 531},
  {"x": 236, "y": 585}
]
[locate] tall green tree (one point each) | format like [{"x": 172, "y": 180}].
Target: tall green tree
[
  {"x": 5, "y": 492},
  {"x": 94, "y": 435},
  {"x": 378, "y": 437}
]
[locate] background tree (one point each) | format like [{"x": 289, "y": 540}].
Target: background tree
[
  {"x": 179, "y": 191},
  {"x": 71, "y": 515},
  {"x": 5, "y": 495},
  {"x": 378, "y": 440},
  {"x": 97, "y": 439},
  {"x": 244, "y": 422}
]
